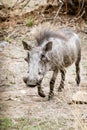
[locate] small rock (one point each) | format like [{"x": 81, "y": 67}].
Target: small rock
[
  {"x": 3, "y": 15},
  {"x": 23, "y": 91},
  {"x": 3, "y": 34},
  {"x": 1, "y": 5},
  {"x": 80, "y": 97},
  {"x": 13, "y": 99},
  {"x": 3, "y": 44}
]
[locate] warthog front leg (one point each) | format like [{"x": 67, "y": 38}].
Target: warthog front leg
[
  {"x": 40, "y": 91},
  {"x": 52, "y": 82},
  {"x": 61, "y": 86},
  {"x": 78, "y": 69}
]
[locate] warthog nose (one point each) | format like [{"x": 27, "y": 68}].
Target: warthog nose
[{"x": 30, "y": 83}]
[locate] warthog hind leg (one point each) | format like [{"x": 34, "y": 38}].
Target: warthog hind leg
[
  {"x": 52, "y": 82},
  {"x": 51, "y": 93},
  {"x": 61, "y": 86},
  {"x": 77, "y": 75},
  {"x": 78, "y": 69}
]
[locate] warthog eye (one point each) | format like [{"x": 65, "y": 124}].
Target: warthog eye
[
  {"x": 39, "y": 73},
  {"x": 43, "y": 58}
]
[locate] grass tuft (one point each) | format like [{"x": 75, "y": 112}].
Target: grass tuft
[
  {"x": 5, "y": 123},
  {"x": 29, "y": 22}
]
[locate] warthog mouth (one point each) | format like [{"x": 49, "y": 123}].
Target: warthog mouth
[{"x": 31, "y": 86}]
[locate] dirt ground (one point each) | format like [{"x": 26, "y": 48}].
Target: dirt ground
[{"x": 22, "y": 104}]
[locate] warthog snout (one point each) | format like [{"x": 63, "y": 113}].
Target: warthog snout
[{"x": 30, "y": 83}]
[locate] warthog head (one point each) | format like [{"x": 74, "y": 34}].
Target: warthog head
[{"x": 37, "y": 63}]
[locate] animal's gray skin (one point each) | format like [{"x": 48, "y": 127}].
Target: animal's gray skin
[{"x": 54, "y": 51}]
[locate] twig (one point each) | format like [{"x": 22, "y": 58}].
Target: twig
[
  {"x": 23, "y": 1},
  {"x": 61, "y": 4},
  {"x": 76, "y": 19},
  {"x": 84, "y": 31},
  {"x": 81, "y": 8}
]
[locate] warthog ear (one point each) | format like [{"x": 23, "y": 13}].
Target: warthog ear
[
  {"x": 27, "y": 58},
  {"x": 26, "y": 46},
  {"x": 48, "y": 46}
]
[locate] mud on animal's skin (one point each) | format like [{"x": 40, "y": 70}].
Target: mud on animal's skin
[{"x": 52, "y": 52}]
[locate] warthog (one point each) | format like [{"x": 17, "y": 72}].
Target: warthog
[{"x": 54, "y": 51}]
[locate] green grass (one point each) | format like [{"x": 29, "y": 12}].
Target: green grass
[
  {"x": 7, "y": 39},
  {"x": 36, "y": 124},
  {"x": 5, "y": 123},
  {"x": 9, "y": 3},
  {"x": 29, "y": 22},
  {"x": 85, "y": 65},
  {"x": 86, "y": 22}
]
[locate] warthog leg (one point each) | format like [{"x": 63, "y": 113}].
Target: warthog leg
[
  {"x": 77, "y": 75},
  {"x": 52, "y": 82},
  {"x": 78, "y": 70},
  {"x": 40, "y": 91},
  {"x": 61, "y": 86}
]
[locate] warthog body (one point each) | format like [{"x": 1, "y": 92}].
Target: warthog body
[{"x": 54, "y": 51}]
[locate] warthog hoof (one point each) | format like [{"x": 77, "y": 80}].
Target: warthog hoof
[
  {"x": 41, "y": 93},
  {"x": 50, "y": 96},
  {"x": 60, "y": 89},
  {"x": 25, "y": 79}
]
